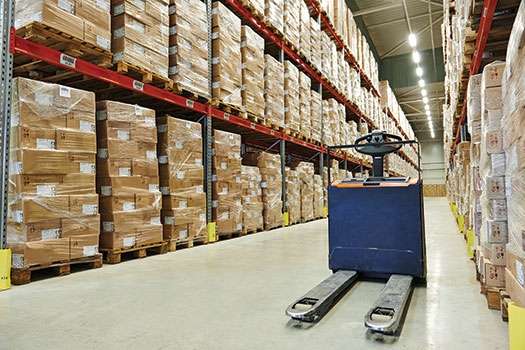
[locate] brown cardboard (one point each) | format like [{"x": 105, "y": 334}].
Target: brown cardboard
[
  {"x": 125, "y": 185},
  {"x": 35, "y": 185},
  {"x": 79, "y": 226},
  {"x": 80, "y": 162},
  {"x": 515, "y": 290},
  {"x": 83, "y": 205},
  {"x": 40, "y": 252},
  {"x": 33, "y": 161},
  {"x": 83, "y": 246},
  {"x": 77, "y": 141},
  {"x": 34, "y": 209},
  {"x": 38, "y": 231}
]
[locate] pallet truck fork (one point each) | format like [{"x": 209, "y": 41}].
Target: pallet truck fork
[{"x": 387, "y": 240}]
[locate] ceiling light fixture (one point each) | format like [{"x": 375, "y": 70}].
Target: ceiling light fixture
[
  {"x": 421, "y": 82},
  {"x": 429, "y": 118},
  {"x": 415, "y": 57},
  {"x": 425, "y": 99},
  {"x": 423, "y": 92},
  {"x": 412, "y": 40},
  {"x": 427, "y": 107},
  {"x": 428, "y": 113},
  {"x": 419, "y": 72}
]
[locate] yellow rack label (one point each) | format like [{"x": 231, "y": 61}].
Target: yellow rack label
[
  {"x": 325, "y": 212},
  {"x": 5, "y": 269},
  {"x": 286, "y": 218}
]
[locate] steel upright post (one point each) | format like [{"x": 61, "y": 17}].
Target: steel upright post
[{"x": 7, "y": 22}]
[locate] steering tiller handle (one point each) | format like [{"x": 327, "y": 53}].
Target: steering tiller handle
[{"x": 376, "y": 137}]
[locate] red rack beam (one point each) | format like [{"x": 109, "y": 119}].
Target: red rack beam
[
  {"x": 349, "y": 56},
  {"x": 51, "y": 56},
  {"x": 489, "y": 7}
]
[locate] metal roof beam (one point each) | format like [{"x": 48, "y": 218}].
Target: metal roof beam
[
  {"x": 424, "y": 29},
  {"x": 432, "y": 3},
  {"x": 374, "y": 9},
  {"x": 373, "y": 26}
]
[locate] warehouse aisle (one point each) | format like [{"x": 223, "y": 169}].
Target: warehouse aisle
[{"x": 232, "y": 295}]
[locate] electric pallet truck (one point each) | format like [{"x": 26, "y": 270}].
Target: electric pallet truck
[{"x": 376, "y": 229}]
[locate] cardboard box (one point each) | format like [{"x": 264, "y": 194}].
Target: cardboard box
[
  {"x": 494, "y": 275},
  {"x": 83, "y": 246},
  {"x": 125, "y": 185},
  {"x": 50, "y": 185},
  {"x": 40, "y": 252},
  {"x": 515, "y": 289},
  {"x": 80, "y": 226}
]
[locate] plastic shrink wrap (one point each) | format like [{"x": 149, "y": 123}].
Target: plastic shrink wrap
[
  {"x": 188, "y": 46},
  {"x": 226, "y": 56},
  {"x": 227, "y": 182},
  {"x": 305, "y": 85},
  {"x": 127, "y": 176},
  {"x": 305, "y": 173},
  {"x": 273, "y": 13},
  {"x": 270, "y": 167},
  {"x": 513, "y": 124},
  {"x": 252, "y": 212},
  {"x": 273, "y": 91},
  {"x": 291, "y": 18},
  {"x": 52, "y": 199},
  {"x": 292, "y": 115},
  {"x": 316, "y": 115},
  {"x": 252, "y": 51},
  {"x": 181, "y": 179},
  {"x": 140, "y": 34},
  {"x": 87, "y": 20},
  {"x": 293, "y": 195}
]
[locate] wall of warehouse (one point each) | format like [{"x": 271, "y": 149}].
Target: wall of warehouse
[{"x": 432, "y": 162}]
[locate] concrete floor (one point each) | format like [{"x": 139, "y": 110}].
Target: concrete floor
[{"x": 232, "y": 295}]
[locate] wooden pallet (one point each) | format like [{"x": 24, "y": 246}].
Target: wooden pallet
[
  {"x": 229, "y": 235},
  {"x": 271, "y": 27},
  {"x": 270, "y": 124},
  {"x": 252, "y": 117},
  {"x": 268, "y": 227},
  {"x": 260, "y": 16},
  {"x": 65, "y": 43},
  {"x": 186, "y": 91},
  {"x": 21, "y": 276},
  {"x": 504, "y": 302},
  {"x": 138, "y": 252},
  {"x": 227, "y": 107},
  {"x": 178, "y": 244},
  {"x": 250, "y": 231},
  {"x": 493, "y": 296},
  {"x": 143, "y": 75}
]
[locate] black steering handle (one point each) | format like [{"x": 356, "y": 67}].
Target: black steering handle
[{"x": 377, "y": 144}]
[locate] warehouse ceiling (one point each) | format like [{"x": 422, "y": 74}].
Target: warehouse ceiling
[{"x": 386, "y": 27}]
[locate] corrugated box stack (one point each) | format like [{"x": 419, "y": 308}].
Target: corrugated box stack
[
  {"x": 305, "y": 85},
  {"x": 473, "y": 97},
  {"x": 273, "y": 91},
  {"x": 326, "y": 55},
  {"x": 304, "y": 30},
  {"x": 291, "y": 18},
  {"x": 188, "y": 46},
  {"x": 140, "y": 34},
  {"x": 492, "y": 171},
  {"x": 271, "y": 185},
  {"x": 227, "y": 182},
  {"x": 293, "y": 196},
  {"x": 316, "y": 115},
  {"x": 513, "y": 124},
  {"x": 227, "y": 61},
  {"x": 53, "y": 206},
  {"x": 305, "y": 172},
  {"x": 292, "y": 116},
  {"x": 87, "y": 20},
  {"x": 127, "y": 176},
  {"x": 181, "y": 179},
  {"x": 315, "y": 40},
  {"x": 252, "y": 205},
  {"x": 273, "y": 13},
  {"x": 252, "y": 51},
  {"x": 318, "y": 196}
]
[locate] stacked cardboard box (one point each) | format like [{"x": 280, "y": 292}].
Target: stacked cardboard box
[
  {"x": 53, "y": 206},
  {"x": 273, "y": 13},
  {"x": 181, "y": 179},
  {"x": 492, "y": 171},
  {"x": 252, "y": 51},
  {"x": 291, "y": 18},
  {"x": 252, "y": 205},
  {"x": 140, "y": 34},
  {"x": 87, "y": 20},
  {"x": 227, "y": 61},
  {"x": 293, "y": 195},
  {"x": 257, "y": 7},
  {"x": 127, "y": 176},
  {"x": 326, "y": 55},
  {"x": 315, "y": 40},
  {"x": 318, "y": 196},
  {"x": 271, "y": 185},
  {"x": 316, "y": 115},
  {"x": 305, "y": 85},
  {"x": 227, "y": 182},
  {"x": 273, "y": 91},
  {"x": 305, "y": 172},
  {"x": 188, "y": 46},
  {"x": 304, "y": 30},
  {"x": 292, "y": 117},
  {"x": 513, "y": 124}
]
